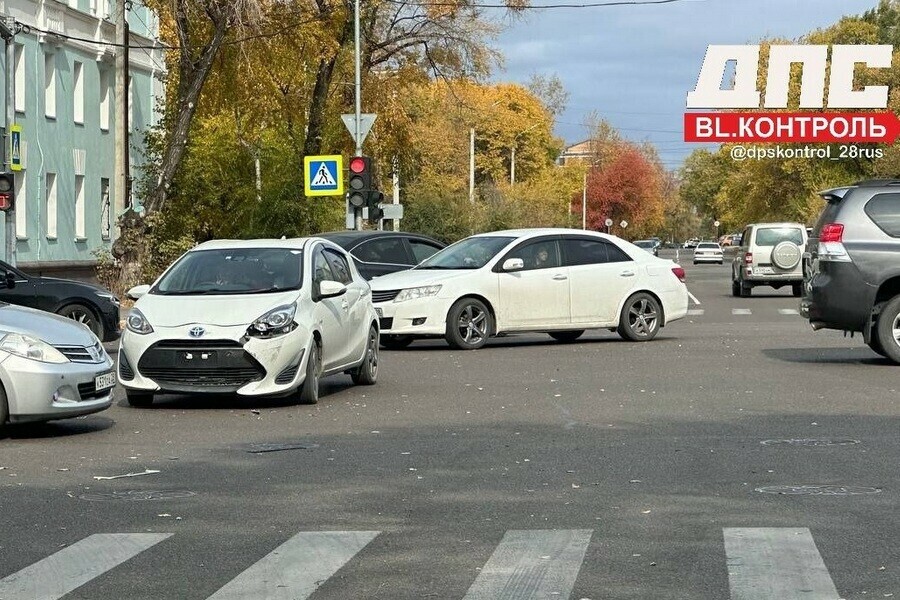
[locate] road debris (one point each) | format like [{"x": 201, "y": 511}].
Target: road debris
[
  {"x": 147, "y": 472},
  {"x": 273, "y": 447}
]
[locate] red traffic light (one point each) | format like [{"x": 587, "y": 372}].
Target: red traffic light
[
  {"x": 357, "y": 164},
  {"x": 5, "y": 202}
]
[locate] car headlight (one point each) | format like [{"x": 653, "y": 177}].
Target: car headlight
[
  {"x": 31, "y": 348},
  {"x": 111, "y": 297},
  {"x": 417, "y": 292},
  {"x": 138, "y": 323},
  {"x": 277, "y": 321}
]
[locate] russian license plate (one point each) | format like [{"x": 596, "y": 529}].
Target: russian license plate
[
  {"x": 105, "y": 381},
  {"x": 764, "y": 270},
  {"x": 379, "y": 312}
]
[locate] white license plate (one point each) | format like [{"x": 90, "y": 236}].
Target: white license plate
[
  {"x": 379, "y": 312},
  {"x": 764, "y": 270},
  {"x": 105, "y": 381}
]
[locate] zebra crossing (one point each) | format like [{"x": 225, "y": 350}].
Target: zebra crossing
[
  {"x": 780, "y": 563},
  {"x": 765, "y": 312}
]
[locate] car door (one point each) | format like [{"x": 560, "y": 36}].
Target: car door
[
  {"x": 381, "y": 255},
  {"x": 23, "y": 292},
  {"x": 356, "y": 325},
  {"x": 601, "y": 275},
  {"x": 331, "y": 313},
  {"x": 536, "y": 296}
]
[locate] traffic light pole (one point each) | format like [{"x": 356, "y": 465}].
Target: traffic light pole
[
  {"x": 7, "y": 30},
  {"x": 357, "y": 212}
]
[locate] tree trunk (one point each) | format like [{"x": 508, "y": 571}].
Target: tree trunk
[{"x": 312, "y": 145}]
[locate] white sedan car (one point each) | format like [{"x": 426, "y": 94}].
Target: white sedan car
[
  {"x": 708, "y": 252},
  {"x": 261, "y": 317},
  {"x": 559, "y": 281}
]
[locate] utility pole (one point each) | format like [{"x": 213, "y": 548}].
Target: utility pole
[
  {"x": 396, "y": 181},
  {"x": 7, "y": 30},
  {"x": 357, "y": 212},
  {"x": 472, "y": 165},
  {"x": 512, "y": 166},
  {"x": 121, "y": 159},
  {"x": 584, "y": 203}
]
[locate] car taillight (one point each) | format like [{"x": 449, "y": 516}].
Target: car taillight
[
  {"x": 832, "y": 232},
  {"x": 679, "y": 273},
  {"x": 748, "y": 258}
]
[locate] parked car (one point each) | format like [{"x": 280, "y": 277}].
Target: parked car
[
  {"x": 852, "y": 265},
  {"x": 91, "y": 305},
  {"x": 558, "y": 281},
  {"x": 650, "y": 246},
  {"x": 381, "y": 252},
  {"x": 50, "y": 367},
  {"x": 261, "y": 317},
  {"x": 708, "y": 252},
  {"x": 770, "y": 254},
  {"x": 691, "y": 243}
]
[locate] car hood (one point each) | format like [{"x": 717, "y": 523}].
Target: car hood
[
  {"x": 417, "y": 278},
  {"x": 78, "y": 284},
  {"x": 53, "y": 329},
  {"x": 224, "y": 311}
]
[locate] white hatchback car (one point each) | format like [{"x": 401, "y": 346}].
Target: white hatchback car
[
  {"x": 260, "y": 317},
  {"x": 558, "y": 281}
]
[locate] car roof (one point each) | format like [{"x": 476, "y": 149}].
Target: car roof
[
  {"x": 292, "y": 243},
  {"x": 538, "y": 231},
  {"x": 782, "y": 224},
  {"x": 352, "y": 236}
]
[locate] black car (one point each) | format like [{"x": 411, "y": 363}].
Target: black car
[
  {"x": 382, "y": 252},
  {"x": 851, "y": 267},
  {"x": 89, "y": 304}
]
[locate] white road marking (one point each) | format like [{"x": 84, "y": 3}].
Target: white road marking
[
  {"x": 297, "y": 568},
  {"x": 740, "y": 311},
  {"x": 72, "y": 567},
  {"x": 788, "y": 311},
  {"x": 776, "y": 562},
  {"x": 528, "y": 565},
  {"x": 695, "y": 312},
  {"x": 694, "y": 298}
]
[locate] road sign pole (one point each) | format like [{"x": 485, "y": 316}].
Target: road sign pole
[
  {"x": 357, "y": 212},
  {"x": 7, "y": 31}
]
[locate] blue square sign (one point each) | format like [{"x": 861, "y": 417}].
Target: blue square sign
[{"x": 323, "y": 175}]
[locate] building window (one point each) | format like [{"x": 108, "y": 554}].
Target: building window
[
  {"x": 105, "y": 209},
  {"x": 51, "y": 205},
  {"x": 104, "y": 99},
  {"x": 21, "y": 207},
  {"x": 20, "y": 77},
  {"x": 78, "y": 91},
  {"x": 79, "y": 208},
  {"x": 50, "y": 85}
]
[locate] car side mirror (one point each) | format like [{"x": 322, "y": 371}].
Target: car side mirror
[
  {"x": 330, "y": 289},
  {"x": 137, "y": 291},
  {"x": 10, "y": 279},
  {"x": 513, "y": 264}
]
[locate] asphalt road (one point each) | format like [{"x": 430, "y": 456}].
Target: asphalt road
[{"x": 598, "y": 469}]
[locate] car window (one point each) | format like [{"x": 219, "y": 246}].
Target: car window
[
  {"x": 339, "y": 267},
  {"x": 233, "y": 271},
  {"x": 884, "y": 210},
  {"x": 422, "y": 249},
  {"x": 321, "y": 268},
  {"x": 585, "y": 252},
  {"x": 713, "y": 246},
  {"x": 543, "y": 254},
  {"x": 616, "y": 254},
  {"x": 772, "y": 236},
  {"x": 383, "y": 250}
]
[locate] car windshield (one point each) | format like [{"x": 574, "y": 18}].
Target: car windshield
[
  {"x": 470, "y": 253},
  {"x": 233, "y": 271},
  {"x": 771, "y": 236}
]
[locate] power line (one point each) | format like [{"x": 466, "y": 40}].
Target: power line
[{"x": 540, "y": 6}]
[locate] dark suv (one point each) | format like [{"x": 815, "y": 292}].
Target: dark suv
[{"x": 851, "y": 267}]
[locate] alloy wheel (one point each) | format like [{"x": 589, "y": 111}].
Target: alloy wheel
[
  {"x": 473, "y": 324},
  {"x": 642, "y": 317}
]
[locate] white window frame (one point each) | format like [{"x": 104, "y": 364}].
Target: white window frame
[
  {"x": 105, "y": 98},
  {"x": 78, "y": 92},
  {"x": 20, "y": 77},
  {"x": 21, "y": 206},
  {"x": 106, "y": 208},
  {"x": 50, "y": 85},
  {"x": 52, "y": 209},
  {"x": 80, "y": 233}
]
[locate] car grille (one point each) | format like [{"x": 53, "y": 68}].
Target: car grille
[
  {"x": 385, "y": 322},
  {"x": 80, "y": 354},
  {"x": 181, "y": 363},
  {"x": 384, "y": 296},
  {"x": 125, "y": 370},
  {"x": 287, "y": 375},
  {"x": 88, "y": 391}
]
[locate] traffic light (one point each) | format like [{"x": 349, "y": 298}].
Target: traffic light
[
  {"x": 375, "y": 211},
  {"x": 7, "y": 191},
  {"x": 360, "y": 183}
]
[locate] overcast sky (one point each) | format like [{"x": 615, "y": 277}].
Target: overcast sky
[{"x": 635, "y": 65}]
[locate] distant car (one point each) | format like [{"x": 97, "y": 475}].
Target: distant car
[
  {"x": 90, "y": 305},
  {"x": 381, "y": 252},
  {"x": 708, "y": 252},
  {"x": 770, "y": 254},
  {"x": 852, "y": 265},
  {"x": 50, "y": 367},
  {"x": 558, "y": 281},
  {"x": 691, "y": 243},
  {"x": 255, "y": 317},
  {"x": 650, "y": 246}
]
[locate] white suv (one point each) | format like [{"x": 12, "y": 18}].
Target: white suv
[{"x": 770, "y": 254}]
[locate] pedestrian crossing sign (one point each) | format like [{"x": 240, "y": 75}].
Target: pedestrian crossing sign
[{"x": 323, "y": 175}]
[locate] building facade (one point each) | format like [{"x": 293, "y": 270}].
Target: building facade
[{"x": 65, "y": 85}]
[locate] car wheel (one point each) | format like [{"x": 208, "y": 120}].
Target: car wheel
[
  {"x": 139, "y": 399},
  {"x": 875, "y": 344},
  {"x": 468, "y": 324},
  {"x": 4, "y": 407},
  {"x": 566, "y": 336},
  {"x": 85, "y": 316},
  {"x": 746, "y": 290},
  {"x": 888, "y": 329},
  {"x": 309, "y": 391},
  {"x": 640, "y": 318},
  {"x": 367, "y": 372},
  {"x": 396, "y": 342},
  {"x": 735, "y": 288},
  {"x": 797, "y": 289}
]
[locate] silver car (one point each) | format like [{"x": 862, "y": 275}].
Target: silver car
[{"x": 50, "y": 367}]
